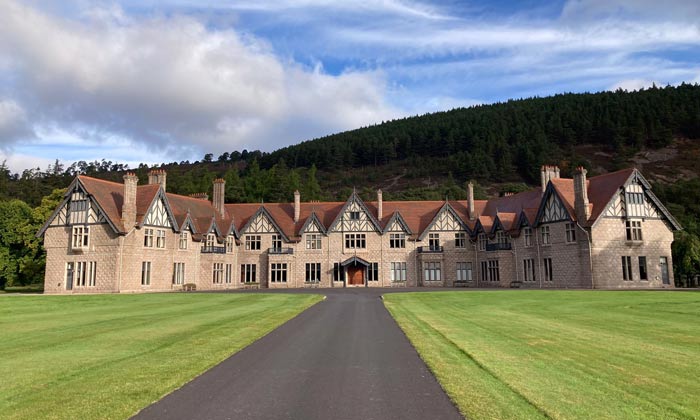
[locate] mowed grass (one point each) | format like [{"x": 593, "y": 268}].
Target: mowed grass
[
  {"x": 559, "y": 354},
  {"x": 107, "y": 356}
]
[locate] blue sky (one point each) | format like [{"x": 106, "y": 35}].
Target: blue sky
[{"x": 160, "y": 81}]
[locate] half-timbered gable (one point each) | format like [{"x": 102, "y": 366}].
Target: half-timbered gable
[
  {"x": 446, "y": 220},
  {"x": 397, "y": 224},
  {"x": 77, "y": 208},
  {"x": 552, "y": 208},
  {"x": 354, "y": 217},
  {"x": 159, "y": 213},
  {"x": 312, "y": 225},
  {"x": 262, "y": 222}
]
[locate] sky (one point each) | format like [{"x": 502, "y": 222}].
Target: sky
[{"x": 161, "y": 81}]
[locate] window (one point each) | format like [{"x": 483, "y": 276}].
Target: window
[
  {"x": 528, "y": 236},
  {"x": 397, "y": 240},
  {"x": 373, "y": 272},
  {"x": 78, "y": 210},
  {"x": 338, "y": 272},
  {"x": 211, "y": 240},
  {"x": 626, "y": 268},
  {"x": 252, "y": 242},
  {"x": 70, "y": 274},
  {"x": 81, "y": 237},
  {"x": 460, "y": 240},
  {"x": 354, "y": 215},
  {"x": 146, "y": 273},
  {"x": 398, "y": 271},
  {"x": 230, "y": 243},
  {"x": 529, "y": 269},
  {"x": 179, "y": 273},
  {"x": 431, "y": 271},
  {"x": 217, "y": 274},
  {"x": 464, "y": 271},
  {"x": 278, "y": 273},
  {"x": 229, "y": 273},
  {"x": 502, "y": 238},
  {"x": 248, "y": 273},
  {"x": 355, "y": 240},
  {"x": 313, "y": 241},
  {"x": 148, "y": 237},
  {"x": 482, "y": 242},
  {"x": 494, "y": 272},
  {"x": 570, "y": 233},
  {"x": 635, "y": 198},
  {"x": 160, "y": 238},
  {"x": 313, "y": 272},
  {"x": 643, "y": 268},
  {"x": 434, "y": 241},
  {"x": 92, "y": 273},
  {"x": 276, "y": 241},
  {"x": 183, "y": 240},
  {"x": 81, "y": 273},
  {"x": 548, "y": 273},
  {"x": 544, "y": 230},
  {"x": 634, "y": 230},
  {"x": 484, "y": 271}
]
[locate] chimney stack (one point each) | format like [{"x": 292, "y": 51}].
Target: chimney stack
[
  {"x": 297, "y": 205},
  {"x": 470, "y": 200},
  {"x": 547, "y": 173},
  {"x": 129, "y": 203},
  {"x": 380, "y": 205},
  {"x": 200, "y": 196},
  {"x": 218, "y": 199},
  {"x": 583, "y": 211},
  {"x": 157, "y": 176}
]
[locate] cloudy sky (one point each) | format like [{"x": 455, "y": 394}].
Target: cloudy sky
[{"x": 161, "y": 81}]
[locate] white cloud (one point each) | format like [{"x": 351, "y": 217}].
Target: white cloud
[
  {"x": 13, "y": 124},
  {"x": 587, "y": 10}
]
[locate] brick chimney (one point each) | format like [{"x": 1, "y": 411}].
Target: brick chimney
[
  {"x": 157, "y": 176},
  {"x": 380, "y": 205},
  {"x": 297, "y": 205},
  {"x": 470, "y": 200},
  {"x": 129, "y": 204},
  {"x": 219, "y": 193},
  {"x": 583, "y": 211},
  {"x": 547, "y": 173}
]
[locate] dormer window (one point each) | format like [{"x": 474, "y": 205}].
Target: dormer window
[
  {"x": 183, "y": 240},
  {"x": 277, "y": 242},
  {"x": 211, "y": 240},
  {"x": 229, "y": 244},
  {"x": 81, "y": 237},
  {"x": 482, "y": 242},
  {"x": 502, "y": 237}
]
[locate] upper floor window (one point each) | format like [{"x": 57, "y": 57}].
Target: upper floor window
[
  {"x": 81, "y": 237},
  {"x": 544, "y": 231},
  {"x": 397, "y": 240},
  {"x": 160, "y": 238},
  {"x": 633, "y": 229},
  {"x": 276, "y": 241},
  {"x": 354, "y": 215},
  {"x": 78, "y": 209},
  {"x": 313, "y": 241},
  {"x": 230, "y": 242},
  {"x": 434, "y": 241},
  {"x": 502, "y": 237},
  {"x": 570, "y": 232},
  {"x": 183, "y": 240},
  {"x": 252, "y": 242},
  {"x": 635, "y": 198},
  {"x": 148, "y": 235},
  {"x": 355, "y": 240},
  {"x": 482, "y": 242},
  {"x": 528, "y": 236},
  {"x": 211, "y": 240},
  {"x": 460, "y": 240}
]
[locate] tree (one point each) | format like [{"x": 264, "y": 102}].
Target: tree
[
  {"x": 312, "y": 189},
  {"x": 20, "y": 250}
]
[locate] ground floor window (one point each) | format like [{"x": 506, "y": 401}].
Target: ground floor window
[
  {"x": 484, "y": 271},
  {"x": 432, "y": 271},
  {"x": 373, "y": 272},
  {"x": 146, "y": 273},
  {"x": 179, "y": 273},
  {"x": 248, "y": 273},
  {"x": 529, "y": 269},
  {"x": 494, "y": 271},
  {"x": 464, "y": 271},
  {"x": 313, "y": 272},
  {"x": 217, "y": 275},
  {"x": 229, "y": 273},
  {"x": 85, "y": 273},
  {"x": 398, "y": 271},
  {"x": 643, "y": 268},
  {"x": 278, "y": 272},
  {"x": 548, "y": 273},
  {"x": 338, "y": 272},
  {"x": 626, "y": 268}
]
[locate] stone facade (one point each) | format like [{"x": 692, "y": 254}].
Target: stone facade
[{"x": 604, "y": 232}]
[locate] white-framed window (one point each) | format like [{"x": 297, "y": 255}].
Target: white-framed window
[
  {"x": 432, "y": 271},
  {"x": 148, "y": 235},
  {"x": 548, "y": 272},
  {"x": 211, "y": 240},
  {"x": 146, "y": 273},
  {"x": 398, "y": 271},
  {"x": 81, "y": 237},
  {"x": 502, "y": 238},
  {"x": 217, "y": 273},
  {"x": 179, "y": 273},
  {"x": 92, "y": 273},
  {"x": 434, "y": 241},
  {"x": 354, "y": 215},
  {"x": 276, "y": 241},
  {"x": 70, "y": 275},
  {"x": 313, "y": 272},
  {"x": 338, "y": 272},
  {"x": 313, "y": 241},
  {"x": 249, "y": 273},
  {"x": 397, "y": 240},
  {"x": 252, "y": 242},
  {"x": 460, "y": 240},
  {"x": 544, "y": 231},
  {"x": 527, "y": 232},
  {"x": 278, "y": 272},
  {"x": 633, "y": 229},
  {"x": 627, "y": 268},
  {"x": 355, "y": 241},
  {"x": 464, "y": 271},
  {"x": 78, "y": 209},
  {"x": 482, "y": 241},
  {"x": 529, "y": 269},
  {"x": 184, "y": 237},
  {"x": 85, "y": 273},
  {"x": 230, "y": 243},
  {"x": 494, "y": 271},
  {"x": 643, "y": 275},
  {"x": 228, "y": 274},
  {"x": 570, "y": 233},
  {"x": 373, "y": 272},
  {"x": 160, "y": 238}
]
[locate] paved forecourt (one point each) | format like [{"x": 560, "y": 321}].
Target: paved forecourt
[{"x": 344, "y": 358}]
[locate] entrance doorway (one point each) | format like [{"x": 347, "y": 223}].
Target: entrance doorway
[{"x": 356, "y": 275}]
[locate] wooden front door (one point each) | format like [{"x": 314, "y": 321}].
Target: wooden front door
[{"x": 356, "y": 276}]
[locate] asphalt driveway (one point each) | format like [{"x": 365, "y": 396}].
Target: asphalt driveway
[{"x": 344, "y": 358}]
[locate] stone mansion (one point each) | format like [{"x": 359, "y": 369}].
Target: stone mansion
[{"x": 608, "y": 231}]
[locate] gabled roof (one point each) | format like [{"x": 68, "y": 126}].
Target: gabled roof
[
  {"x": 354, "y": 198},
  {"x": 445, "y": 208},
  {"x": 396, "y": 218}
]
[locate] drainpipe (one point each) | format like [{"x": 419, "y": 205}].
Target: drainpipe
[
  {"x": 539, "y": 257},
  {"x": 590, "y": 253}
]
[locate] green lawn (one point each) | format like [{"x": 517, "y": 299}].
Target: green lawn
[
  {"x": 559, "y": 354},
  {"x": 107, "y": 356}
]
